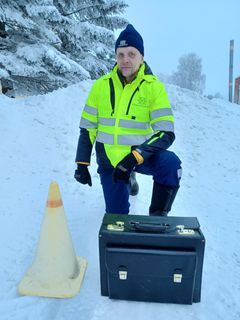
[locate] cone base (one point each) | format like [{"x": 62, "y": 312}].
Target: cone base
[{"x": 30, "y": 286}]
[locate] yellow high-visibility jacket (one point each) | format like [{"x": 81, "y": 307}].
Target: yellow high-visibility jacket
[{"x": 122, "y": 117}]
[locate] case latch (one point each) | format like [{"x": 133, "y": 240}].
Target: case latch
[
  {"x": 177, "y": 277},
  {"x": 118, "y": 226},
  {"x": 184, "y": 231},
  {"x": 122, "y": 275},
  {"x": 122, "y": 272}
]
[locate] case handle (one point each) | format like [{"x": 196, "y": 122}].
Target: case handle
[{"x": 151, "y": 227}]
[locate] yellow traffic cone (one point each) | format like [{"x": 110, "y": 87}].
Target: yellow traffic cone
[{"x": 56, "y": 271}]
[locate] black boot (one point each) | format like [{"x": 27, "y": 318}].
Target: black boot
[
  {"x": 162, "y": 199},
  {"x": 133, "y": 185}
]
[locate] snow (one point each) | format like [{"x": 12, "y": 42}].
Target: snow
[{"x": 38, "y": 143}]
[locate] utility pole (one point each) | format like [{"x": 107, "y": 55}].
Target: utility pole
[{"x": 231, "y": 70}]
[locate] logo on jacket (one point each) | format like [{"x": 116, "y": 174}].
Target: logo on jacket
[{"x": 141, "y": 102}]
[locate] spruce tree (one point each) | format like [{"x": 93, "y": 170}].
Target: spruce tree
[{"x": 47, "y": 44}]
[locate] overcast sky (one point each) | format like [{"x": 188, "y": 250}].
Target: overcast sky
[{"x": 171, "y": 28}]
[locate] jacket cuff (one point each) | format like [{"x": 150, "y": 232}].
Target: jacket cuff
[{"x": 138, "y": 157}]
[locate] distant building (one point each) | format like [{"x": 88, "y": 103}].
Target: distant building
[{"x": 237, "y": 91}]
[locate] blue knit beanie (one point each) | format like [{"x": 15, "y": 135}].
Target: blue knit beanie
[{"x": 129, "y": 37}]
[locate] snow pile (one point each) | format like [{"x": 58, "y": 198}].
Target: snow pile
[{"x": 38, "y": 144}]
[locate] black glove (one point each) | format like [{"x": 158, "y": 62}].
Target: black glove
[
  {"x": 82, "y": 174},
  {"x": 124, "y": 168}
]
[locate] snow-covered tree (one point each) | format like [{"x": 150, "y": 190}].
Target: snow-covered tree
[
  {"x": 46, "y": 44},
  {"x": 97, "y": 20},
  {"x": 189, "y": 73}
]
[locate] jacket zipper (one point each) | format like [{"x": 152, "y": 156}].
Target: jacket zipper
[
  {"x": 130, "y": 101},
  {"x": 112, "y": 95}
]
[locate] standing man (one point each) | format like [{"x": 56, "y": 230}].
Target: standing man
[{"x": 129, "y": 117}]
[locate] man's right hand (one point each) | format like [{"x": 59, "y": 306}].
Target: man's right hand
[{"x": 82, "y": 174}]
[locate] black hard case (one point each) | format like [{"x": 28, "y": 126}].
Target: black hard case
[{"x": 151, "y": 259}]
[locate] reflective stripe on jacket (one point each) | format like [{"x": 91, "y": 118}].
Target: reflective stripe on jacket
[{"x": 122, "y": 116}]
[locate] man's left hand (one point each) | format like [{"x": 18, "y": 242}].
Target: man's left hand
[{"x": 124, "y": 168}]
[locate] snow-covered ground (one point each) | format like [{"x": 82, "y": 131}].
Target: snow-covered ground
[{"x": 38, "y": 139}]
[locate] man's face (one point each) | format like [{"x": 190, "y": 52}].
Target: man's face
[{"x": 129, "y": 60}]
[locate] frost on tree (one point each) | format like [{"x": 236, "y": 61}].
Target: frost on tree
[
  {"x": 189, "y": 73},
  {"x": 49, "y": 44}
]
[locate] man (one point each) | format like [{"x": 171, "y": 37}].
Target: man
[{"x": 128, "y": 115}]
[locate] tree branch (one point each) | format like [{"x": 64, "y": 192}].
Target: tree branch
[{"x": 83, "y": 8}]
